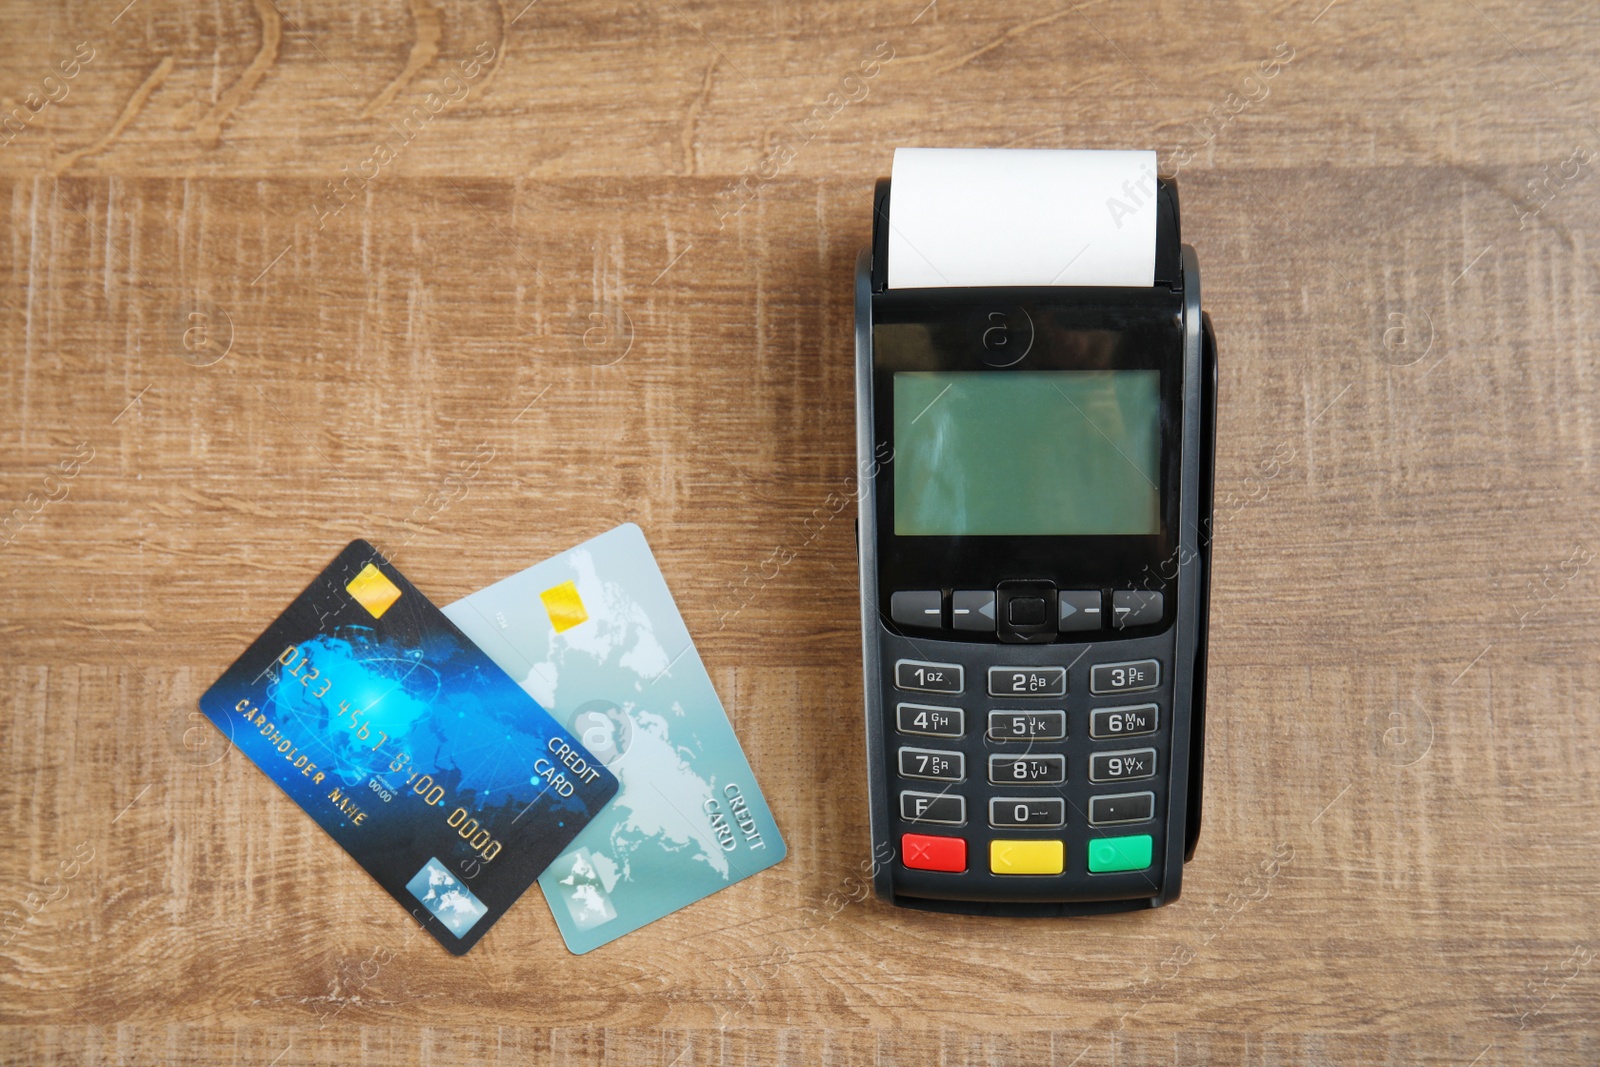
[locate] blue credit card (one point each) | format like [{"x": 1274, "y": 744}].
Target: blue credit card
[
  {"x": 434, "y": 770},
  {"x": 594, "y": 636}
]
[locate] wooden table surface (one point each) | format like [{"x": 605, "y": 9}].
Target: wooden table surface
[{"x": 272, "y": 271}]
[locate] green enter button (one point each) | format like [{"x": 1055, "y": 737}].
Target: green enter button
[{"x": 1107, "y": 854}]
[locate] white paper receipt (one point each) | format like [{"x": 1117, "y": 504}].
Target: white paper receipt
[{"x": 1021, "y": 216}]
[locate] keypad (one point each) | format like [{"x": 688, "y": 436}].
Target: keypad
[
  {"x": 1027, "y": 725},
  {"x": 932, "y": 764},
  {"x": 1127, "y": 766},
  {"x": 1109, "y": 723},
  {"x": 1018, "y": 784},
  {"x": 930, "y": 720}
]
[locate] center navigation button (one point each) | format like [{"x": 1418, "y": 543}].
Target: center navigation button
[{"x": 1027, "y": 611}]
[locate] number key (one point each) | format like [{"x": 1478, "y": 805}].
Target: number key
[
  {"x": 922, "y": 677},
  {"x": 1122, "y": 766},
  {"x": 1122, "y": 722},
  {"x": 932, "y": 764},
  {"x": 1027, "y": 725},
  {"x": 1124, "y": 677},
  {"x": 1027, "y": 681},
  {"x": 1027, "y": 811},
  {"x": 1027, "y": 770},
  {"x": 929, "y": 720}
]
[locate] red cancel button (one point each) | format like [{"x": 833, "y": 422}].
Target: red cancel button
[{"x": 925, "y": 852}]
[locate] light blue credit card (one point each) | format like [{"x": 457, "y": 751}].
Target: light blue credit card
[{"x": 594, "y": 636}]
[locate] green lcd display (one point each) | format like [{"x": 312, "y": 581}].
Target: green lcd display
[{"x": 1027, "y": 453}]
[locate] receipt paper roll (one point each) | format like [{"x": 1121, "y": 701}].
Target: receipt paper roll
[{"x": 1021, "y": 216}]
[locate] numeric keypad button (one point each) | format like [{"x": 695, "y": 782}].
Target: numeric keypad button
[
  {"x": 1131, "y": 677},
  {"x": 930, "y": 720},
  {"x": 1027, "y": 681},
  {"x": 1027, "y": 725},
  {"x": 1027, "y": 770},
  {"x": 1109, "y": 723},
  {"x": 1035, "y": 812},
  {"x": 919, "y": 677},
  {"x": 1124, "y": 766},
  {"x": 932, "y": 764}
]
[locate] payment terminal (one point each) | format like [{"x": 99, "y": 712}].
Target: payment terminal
[{"x": 1035, "y": 400}]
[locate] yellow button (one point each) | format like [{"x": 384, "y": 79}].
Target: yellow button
[{"x": 1025, "y": 857}]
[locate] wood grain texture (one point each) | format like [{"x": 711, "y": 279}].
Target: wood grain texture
[{"x": 614, "y": 247}]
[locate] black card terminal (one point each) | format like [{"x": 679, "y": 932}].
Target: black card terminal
[{"x": 1034, "y": 533}]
